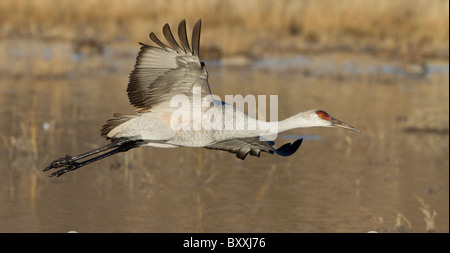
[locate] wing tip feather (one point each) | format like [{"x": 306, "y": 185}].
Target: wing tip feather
[{"x": 196, "y": 37}]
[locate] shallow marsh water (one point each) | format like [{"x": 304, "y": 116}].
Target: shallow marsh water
[{"x": 53, "y": 102}]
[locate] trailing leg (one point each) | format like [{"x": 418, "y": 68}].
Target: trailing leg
[
  {"x": 69, "y": 162},
  {"x": 69, "y": 159}
]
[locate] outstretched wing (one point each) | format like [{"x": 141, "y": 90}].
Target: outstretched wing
[
  {"x": 165, "y": 71},
  {"x": 253, "y": 146}
]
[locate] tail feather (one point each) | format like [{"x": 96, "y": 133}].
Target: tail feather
[{"x": 114, "y": 122}]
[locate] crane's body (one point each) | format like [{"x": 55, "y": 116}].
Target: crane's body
[
  {"x": 156, "y": 125},
  {"x": 167, "y": 72}
]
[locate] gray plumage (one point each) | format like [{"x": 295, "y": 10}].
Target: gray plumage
[
  {"x": 243, "y": 146},
  {"x": 165, "y": 71}
]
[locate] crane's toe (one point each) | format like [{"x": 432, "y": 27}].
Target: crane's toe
[
  {"x": 67, "y": 168},
  {"x": 59, "y": 163}
]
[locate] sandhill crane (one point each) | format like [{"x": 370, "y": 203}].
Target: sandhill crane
[{"x": 162, "y": 72}]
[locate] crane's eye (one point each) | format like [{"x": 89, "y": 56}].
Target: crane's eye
[{"x": 323, "y": 115}]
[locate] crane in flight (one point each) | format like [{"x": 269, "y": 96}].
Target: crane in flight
[{"x": 165, "y": 71}]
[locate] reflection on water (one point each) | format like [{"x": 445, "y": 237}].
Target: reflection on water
[
  {"x": 356, "y": 64},
  {"x": 339, "y": 181},
  {"x": 307, "y": 137}
]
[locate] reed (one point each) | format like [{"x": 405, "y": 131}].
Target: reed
[
  {"x": 402, "y": 224},
  {"x": 428, "y": 213},
  {"x": 235, "y": 25}
]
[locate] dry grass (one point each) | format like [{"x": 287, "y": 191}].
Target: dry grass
[
  {"x": 235, "y": 25},
  {"x": 429, "y": 214},
  {"x": 402, "y": 224}
]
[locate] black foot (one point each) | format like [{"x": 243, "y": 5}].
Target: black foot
[
  {"x": 68, "y": 167},
  {"x": 67, "y": 160}
]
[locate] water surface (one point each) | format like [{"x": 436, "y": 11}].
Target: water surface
[{"x": 54, "y": 102}]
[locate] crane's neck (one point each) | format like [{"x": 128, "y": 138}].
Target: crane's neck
[
  {"x": 300, "y": 120},
  {"x": 251, "y": 127}
]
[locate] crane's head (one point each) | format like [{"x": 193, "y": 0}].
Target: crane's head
[{"x": 321, "y": 118}]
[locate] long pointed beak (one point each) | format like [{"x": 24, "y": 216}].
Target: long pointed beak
[{"x": 338, "y": 123}]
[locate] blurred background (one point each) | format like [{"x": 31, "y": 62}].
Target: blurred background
[{"x": 381, "y": 66}]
